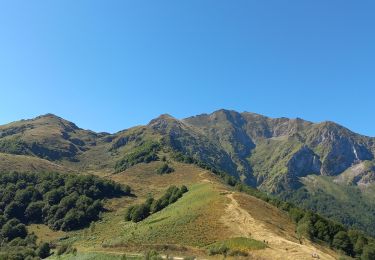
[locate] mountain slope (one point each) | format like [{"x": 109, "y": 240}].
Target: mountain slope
[
  {"x": 337, "y": 147},
  {"x": 23, "y": 163},
  {"x": 274, "y": 155},
  {"x": 47, "y": 136},
  {"x": 282, "y": 152},
  {"x": 209, "y": 213}
]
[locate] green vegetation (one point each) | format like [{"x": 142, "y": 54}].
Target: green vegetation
[
  {"x": 188, "y": 221},
  {"x": 239, "y": 246},
  {"x": 145, "y": 153},
  {"x": 260, "y": 150},
  {"x": 44, "y": 250},
  {"x": 179, "y": 157},
  {"x": 164, "y": 169},
  {"x": 95, "y": 256},
  {"x": 315, "y": 227},
  {"x": 66, "y": 248},
  {"x": 62, "y": 201},
  {"x": 20, "y": 249},
  {"x": 13, "y": 146},
  {"x": 368, "y": 252},
  {"x": 152, "y": 255},
  {"x": 309, "y": 224},
  {"x": 269, "y": 159},
  {"x": 339, "y": 202},
  {"x": 139, "y": 212}
]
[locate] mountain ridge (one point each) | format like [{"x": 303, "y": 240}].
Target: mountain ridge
[{"x": 271, "y": 154}]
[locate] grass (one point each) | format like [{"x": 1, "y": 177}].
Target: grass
[
  {"x": 189, "y": 221},
  {"x": 24, "y": 163},
  {"x": 326, "y": 183},
  {"x": 44, "y": 233},
  {"x": 144, "y": 175},
  {"x": 270, "y": 158},
  {"x": 242, "y": 244},
  {"x": 94, "y": 256}
]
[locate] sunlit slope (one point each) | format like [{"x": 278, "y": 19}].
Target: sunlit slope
[
  {"x": 23, "y": 163},
  {"x": 208, "y": 213}
]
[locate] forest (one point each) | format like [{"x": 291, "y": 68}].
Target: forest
[{"x": 61, "y": 201}]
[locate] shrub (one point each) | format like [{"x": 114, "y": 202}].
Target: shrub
[
  {"x": 219, "y": 250},
  {"x": 146, "y": 153},
  {"x": 164, "y": 169},
  {"x": 341, "y": 241},
  {"x": 13, "y": 229},
  {"x": 152, "y": 255},
  {"x": 33, "y": 212},
  {"x": 137, "y": 213},
  {"x": 368, "y": 252},
  {"x": 44, "y": 250},
  {"x": 140, "y": 212},
  {"x": 65, "y": 249},
  {"x": 238, "y": 253}
]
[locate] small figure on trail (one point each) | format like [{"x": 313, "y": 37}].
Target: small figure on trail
[{"x": 315, "y": 255}]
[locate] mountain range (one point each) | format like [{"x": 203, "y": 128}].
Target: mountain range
[{"x": 323, "y": 167}]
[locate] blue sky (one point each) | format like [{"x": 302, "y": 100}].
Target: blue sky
[{"x": 109, "y": 65}]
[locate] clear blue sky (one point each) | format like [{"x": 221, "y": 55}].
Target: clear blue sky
[{"x": 109, "y": 65}]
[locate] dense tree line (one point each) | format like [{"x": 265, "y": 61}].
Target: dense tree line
[
  {"x": 315, "y": 227},
  {"x": 61, "y": 201},
  {"x": 146, "y": 153},
  {"x": 139, "y": 212},
  {"x": 354, "y": 212}
]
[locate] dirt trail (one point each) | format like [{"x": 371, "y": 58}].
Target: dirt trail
[
  {"x": 203, "y": 177},
  {"x": 243, "y": 224}
]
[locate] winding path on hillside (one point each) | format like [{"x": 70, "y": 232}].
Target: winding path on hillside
[{"x": 242, "y": 224}]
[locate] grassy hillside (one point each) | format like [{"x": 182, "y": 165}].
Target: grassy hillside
[
  {"x": 24, "y": 163},
  {"x": 47, "y": 137},
  {"x": 187, "y": 221},
  {"x": 275, "y": 155},
  {"x": 210, "y": 219}
]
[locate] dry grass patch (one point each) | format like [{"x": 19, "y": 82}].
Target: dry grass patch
[
  {"x": 44, "y": 233},
  {"x": 23, "y": 163}
]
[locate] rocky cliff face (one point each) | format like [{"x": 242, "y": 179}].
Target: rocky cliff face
[
  {"x": 190, "y": 141},
  {"x": 338, "y": 147},
  {"x": 304, "y": 162},
  {"x": 328, "y": 148}
]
